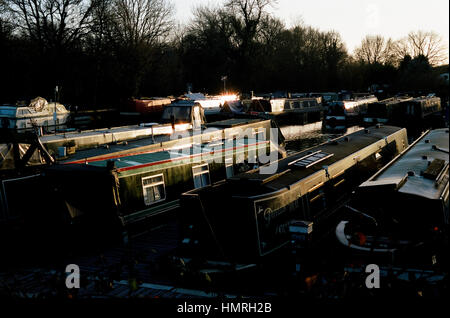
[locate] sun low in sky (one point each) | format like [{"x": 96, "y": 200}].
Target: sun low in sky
[{"x": 353, "y": 19}]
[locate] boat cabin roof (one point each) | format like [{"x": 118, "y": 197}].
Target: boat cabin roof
[
  {"x": 394, "y": 100},
  {"x": 143, "y": 144},
  {"x": 176, "y": 154},
  {"x": 426, "y": 101},
  {"x": 300, "y": 168},
  {"x": 421, "y": 170}
]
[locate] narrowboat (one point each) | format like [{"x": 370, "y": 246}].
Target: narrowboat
[
  {"x": 125, "y": 187},
  {"x": 387, "y": 111},
  {"x": 413, "y": 113},
  {"x": 145, "y": 185},
  {"x": 327, "y": 97},
  {"x": 341, "y": 114},
  {"x": 248, "y": 216},
  {"x": 39, "y": 113},
  {"x": 423, "y": 113},
  {"x": 179, "y": 117},
  {"x": 297, "y": 111},
  {"x": 405, "y": 206}
]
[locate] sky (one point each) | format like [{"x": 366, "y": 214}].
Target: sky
[{"x": 353, "y": 19}]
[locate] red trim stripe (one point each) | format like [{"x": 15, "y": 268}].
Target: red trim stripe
[
  {"x": 153, "y": 151},
  {"x": 115, "y": 156}
]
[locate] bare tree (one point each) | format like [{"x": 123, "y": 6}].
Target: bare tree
[
  {"x": 269, "y": 31},
  {"x": 246, "y": 18},
  {"x": 372, "y": 49},
  {"x": 142, "y": 21},
  {"x": 6, "y": 26},
  {"x": 52, "y": 22},
  {"x": 102, "y": 23},
  {"x": 428, "y": 44},
  {"x": 389, "y": 52},
  {"x": 209, "y": 20}
]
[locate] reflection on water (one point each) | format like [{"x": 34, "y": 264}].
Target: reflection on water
[{"x": 298, "y": 139}]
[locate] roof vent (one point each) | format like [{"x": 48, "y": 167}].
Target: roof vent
[
  {"x": 424, "y": 157},
  {"x": 411, "y": 173},
  {"x": 378, "y": 126},
  {"x": 347, "y": 139},
  {"x": 434, "y": 169},
  {"x": 427, "y": 141},
  {"x": 367, "y": 131}
]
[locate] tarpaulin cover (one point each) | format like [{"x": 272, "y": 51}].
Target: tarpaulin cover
[{"x": 38, "y": 103}]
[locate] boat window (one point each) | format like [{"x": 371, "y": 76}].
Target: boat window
[
  {"x": 201, "y": 176},
  {"x": 297, "y": 104},
  {"x": 317, "y": 202},
  {"x": 229, "y": 169},
  {"x": 154, "y": 189},
  {"x": 339, "y": 190},
  {"x": 410, "y": 109},
  {"x": 178, "y": 113}
]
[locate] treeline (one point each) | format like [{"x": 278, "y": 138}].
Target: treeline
[{"x": 101, "y": 52}]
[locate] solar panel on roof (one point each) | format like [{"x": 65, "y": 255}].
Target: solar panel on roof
[{"x": 311, "y": 159}]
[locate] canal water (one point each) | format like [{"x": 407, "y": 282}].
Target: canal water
[{"x": 298, "y": 139}]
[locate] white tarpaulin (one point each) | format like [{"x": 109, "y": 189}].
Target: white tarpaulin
[{"x": 38, "y": 103}]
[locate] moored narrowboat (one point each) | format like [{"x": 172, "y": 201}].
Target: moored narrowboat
[
  {"x": 403, "y": 208},
  {"x": 387, "y": 111},
  {"x": 294, "y": 111},
  {"x": 124, "y": 187},
  {"x": 415, "y": 114},
  {"x": 249, "y": 215}
]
